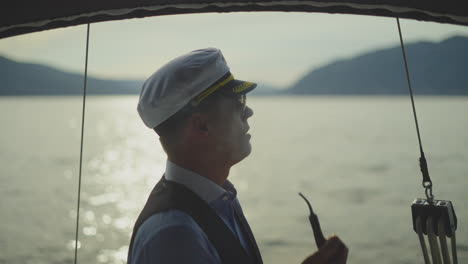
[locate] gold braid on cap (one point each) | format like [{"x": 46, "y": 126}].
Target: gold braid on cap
[{"x": 211, "y": 90}]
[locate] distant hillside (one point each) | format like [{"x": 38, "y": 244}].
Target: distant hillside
[
  {"x": 435, "y": 68},
  {"x": 34, "y": 79}
]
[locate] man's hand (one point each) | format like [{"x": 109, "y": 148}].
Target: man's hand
[{"x": 332, "y": 252}]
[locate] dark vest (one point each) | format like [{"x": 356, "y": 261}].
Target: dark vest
[{"x": 170, "y": 195}]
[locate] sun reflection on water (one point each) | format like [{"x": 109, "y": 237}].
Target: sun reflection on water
[
  {"x": 89, "y": 230},
  {"x": 72, "y": 244},
  {"x": 113, "y": 256}
]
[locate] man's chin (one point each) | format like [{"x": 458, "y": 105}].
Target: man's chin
[{"x": 244, "y": 153}]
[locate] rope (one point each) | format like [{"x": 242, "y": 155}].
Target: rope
[
  {"x": 427, "y": 183},
  {"x": 436, "y": 259},
  {"x": 81, "y": 146},
  {"x": 421, "y": 240},
  {"x": 443, "y": 241},
  {"x": 453, "y": 242}
]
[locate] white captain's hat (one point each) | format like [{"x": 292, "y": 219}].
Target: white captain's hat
[{"x": 189, "y": 78}]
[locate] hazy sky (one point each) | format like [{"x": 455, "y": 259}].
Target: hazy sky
[{"x": 274, "y": 48}]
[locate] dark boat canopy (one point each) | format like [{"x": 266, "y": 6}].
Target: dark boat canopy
[{"x": 25, "y": 16}]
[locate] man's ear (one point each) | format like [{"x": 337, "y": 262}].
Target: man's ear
[{"x": 198, "y": 124}]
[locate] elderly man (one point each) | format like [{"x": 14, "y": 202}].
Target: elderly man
[{"x": 199, "y": 111}]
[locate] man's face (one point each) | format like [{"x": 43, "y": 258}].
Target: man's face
[{"x": 228, "y": 129}]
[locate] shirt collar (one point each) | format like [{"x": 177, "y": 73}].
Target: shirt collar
[{"x": 202, "y": 186}]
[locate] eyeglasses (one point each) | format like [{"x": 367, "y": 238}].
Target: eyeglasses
[
  {"x": 240, "y": 100},
  {"x": 243, "y": 102}
]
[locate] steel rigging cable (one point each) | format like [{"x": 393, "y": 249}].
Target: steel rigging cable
[
  {"x": 427, "y": 183},
  {"x": 81, "y": 145},
  {"x": 433, "y": 217}
]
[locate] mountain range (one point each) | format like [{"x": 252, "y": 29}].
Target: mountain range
[
  {"x": 435, "y": 69},
  {"x": 35, "y": 79}
]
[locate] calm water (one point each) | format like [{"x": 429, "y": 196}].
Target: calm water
[{"x": 355, "y": 158}]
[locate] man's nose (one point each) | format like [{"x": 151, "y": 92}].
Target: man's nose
[{"x": 248, "y": 112}]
